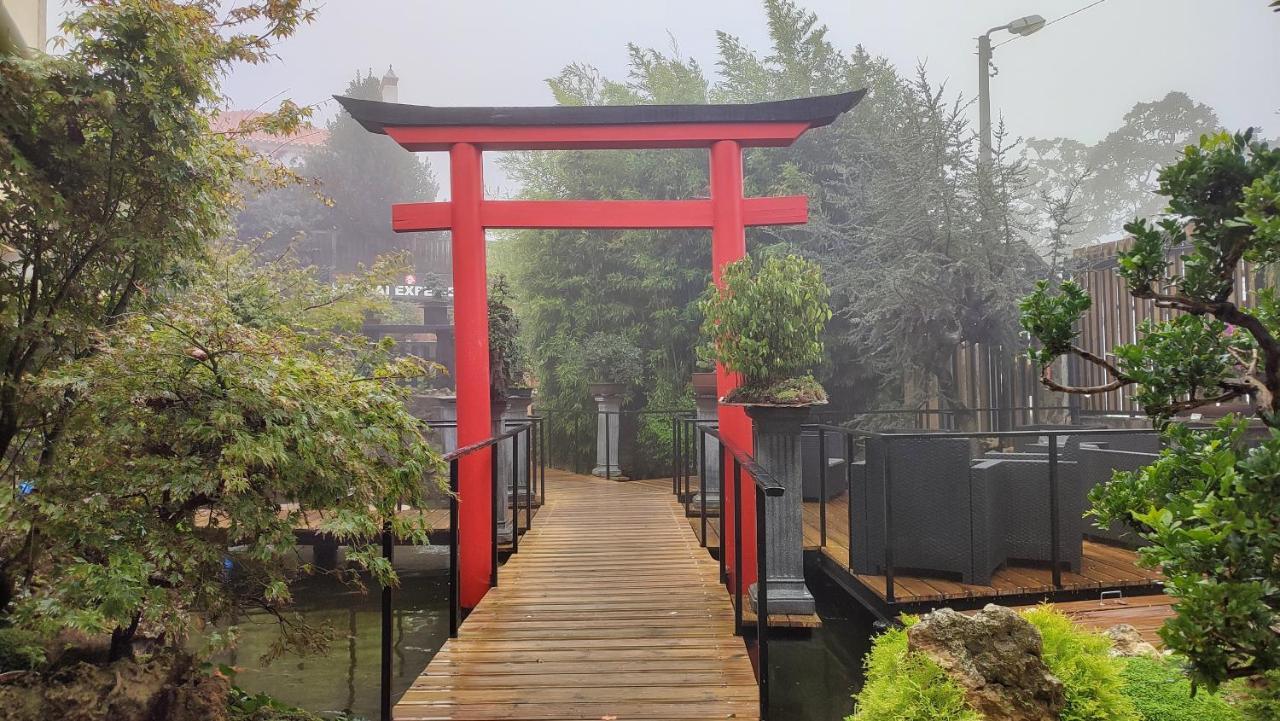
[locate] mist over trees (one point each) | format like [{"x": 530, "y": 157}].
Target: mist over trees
[
  {"x": 922, "y": 249},
  {"x": 1114, "y": 180},
  {"x": 351, "y": 182}
]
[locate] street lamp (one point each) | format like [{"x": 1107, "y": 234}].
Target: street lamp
[{"x": 1022, "y": 26}]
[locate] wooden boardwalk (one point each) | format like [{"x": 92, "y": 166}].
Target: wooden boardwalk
[{"x": 610, "y": 610}]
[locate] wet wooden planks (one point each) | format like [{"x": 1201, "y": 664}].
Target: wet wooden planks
[{"x": 610, "y": 610}]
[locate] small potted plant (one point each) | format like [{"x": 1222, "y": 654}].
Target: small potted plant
[
  {"x": 613, "y": 362},
  {"x": 765, "y": 323}
]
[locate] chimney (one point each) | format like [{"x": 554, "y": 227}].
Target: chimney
[{"x": 390, "y": 93}]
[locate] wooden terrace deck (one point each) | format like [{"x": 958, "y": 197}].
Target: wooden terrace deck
[
  {"x": 1103, "y": 566},
  {"x": 610, "y": 610}
]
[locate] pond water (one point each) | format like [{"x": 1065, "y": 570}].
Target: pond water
[{"x": 814, "y": 676}]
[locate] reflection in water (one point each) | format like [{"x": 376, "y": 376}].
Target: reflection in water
[
  {"x": 814, "y": 674},
  {"x": 348, "y": 682}
]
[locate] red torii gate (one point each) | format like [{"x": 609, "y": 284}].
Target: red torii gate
[{"x": 466, "y": 132}]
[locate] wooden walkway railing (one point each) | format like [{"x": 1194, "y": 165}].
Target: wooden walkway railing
[{"x": 611, "y": 609}]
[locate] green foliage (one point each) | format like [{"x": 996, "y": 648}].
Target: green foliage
[
  {"x": 1161, "y": 691},
  {"x": 766, "y": 321},
  {"x": 1209, "y": 507},
  {"x": 1258, "y": 698},
  {"x": 506, "y": 357},
  {"x": 1091, "y": 678},
  {"x": 20, "y": 650},
  {"x": 112, "y": 178},
  {"x": 244, "y": 706},
  {"x": 207, "y": 429},
  {"x": 611, "y": 358},
  {"x": 904, "y": 686},
  {"x": 1049, "y": 317}
]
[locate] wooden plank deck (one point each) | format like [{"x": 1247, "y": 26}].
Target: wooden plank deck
[
  {"x": 1103, "y": 566},
  {"x": 610, "y": 610}
]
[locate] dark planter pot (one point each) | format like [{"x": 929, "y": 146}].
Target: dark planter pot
[
  {"x": 606, "y": 389},
  {"x": 704, "y": 384},
  {"x": 777, "y": 431}
]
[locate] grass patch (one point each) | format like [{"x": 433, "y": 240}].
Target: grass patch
[{"x": 1161, "y": 692}]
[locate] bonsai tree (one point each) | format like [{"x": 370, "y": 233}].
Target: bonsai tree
[
  {"x": 506, "y": 358},
  {"x": 766, "y": 324},
  {"x": 1210, "y": 506},
  {"x": 612, "y": 358}
]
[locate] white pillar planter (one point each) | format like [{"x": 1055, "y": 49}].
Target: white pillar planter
[
  {"x": 777, "y": 431},
  {"x": 497, "y": 409},
  {"x": 707, "y": 403},
  {"x": 608, "y": 397},
  {"x": 518, "y": 402}
]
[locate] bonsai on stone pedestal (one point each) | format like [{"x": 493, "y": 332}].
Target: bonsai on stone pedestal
[
  {"x": 766, "y": 324},
  {"x": 616, "y": 364}
]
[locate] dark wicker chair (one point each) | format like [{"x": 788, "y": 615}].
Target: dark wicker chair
[{"x": 929, "y": 482}]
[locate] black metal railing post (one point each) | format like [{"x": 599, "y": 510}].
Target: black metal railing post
[
  {"x": 702, "y": 499},
  {"x": 388, "y": 553},
  {"x": 454, "y": 611},
  {"x": 1054, "y": 560},
  {"x": 493, "y": 533},
  {"x": 888, "y": 521},
  {"x": 675, "y": 453},
  {"x": 822, "y": 487},
  {"x": 514, "y": 504},
  {"x": 702, "y": 468},
  {"x": 528, "y": 477},
  {"x": 848, "y": 481},
  {"x": 724, "y": 475},
  {"x": 762, "y": 603},
  {"x": 737, "y": 546},
  {"x": 542, "y": 462}
]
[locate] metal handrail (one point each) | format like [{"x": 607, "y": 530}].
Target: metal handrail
[
  {"x": 766, "y": 487},
  {"x": 388, "y": 540}
]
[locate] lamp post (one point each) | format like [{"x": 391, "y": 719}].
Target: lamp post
[{"x": 1022, "y": 26}]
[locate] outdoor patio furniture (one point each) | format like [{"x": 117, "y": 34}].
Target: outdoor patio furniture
[
  {"x": 928, "y": 480},
  {"x": 834, "y": 465},
  {"x": 1011, "y": 514},
  {"x": 1095, "y": 466}
]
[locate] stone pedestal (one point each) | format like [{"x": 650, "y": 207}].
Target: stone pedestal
[
  {"x": 518, "y": 402},
  {"x": 777, "y": 433},
  {"x": 497, "y": 410},
  {"x": 707, "y": 402},
  {"x": 608, "y": 397}
]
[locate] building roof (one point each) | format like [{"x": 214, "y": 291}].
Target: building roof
[
  {"x": 230, "y": 121},
  {"x": 816, "y": 111}
]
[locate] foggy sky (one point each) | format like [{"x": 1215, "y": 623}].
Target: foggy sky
[{"x": 1076, "y": 78}]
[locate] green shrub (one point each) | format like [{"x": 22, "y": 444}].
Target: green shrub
[
  {"x": 1081, "y": 660},
  {"x": 20, "y": 650},
  {"x": 905, "y": 686},
  {"x": 1161, "y": 691}
]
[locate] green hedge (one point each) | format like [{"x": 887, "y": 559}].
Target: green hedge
[{"x": 902, "y": 686}]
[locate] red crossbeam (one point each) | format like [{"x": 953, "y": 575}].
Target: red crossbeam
[
  {"x": 597, "y": 137},
  {"x": 615, "y": 214}
]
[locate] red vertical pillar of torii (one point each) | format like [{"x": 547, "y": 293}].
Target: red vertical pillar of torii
[
  {"x": 466, "y": 132},
  {"x": 729, "y": 243},
  {"x": 471, "y": 371}
]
